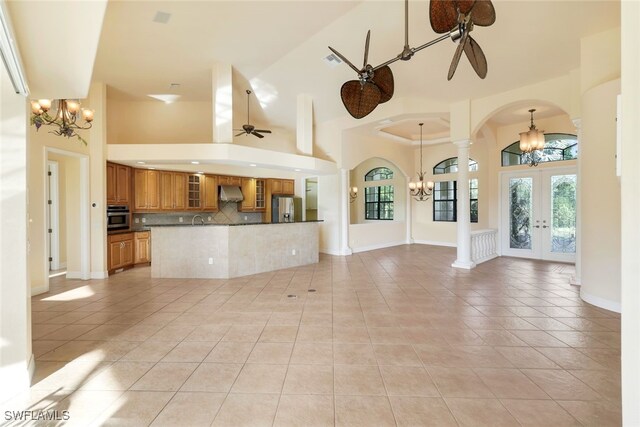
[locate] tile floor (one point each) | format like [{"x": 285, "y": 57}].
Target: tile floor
[{"x": 389, "y": 337}]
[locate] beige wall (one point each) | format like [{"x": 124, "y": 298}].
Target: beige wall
[
  {"x": 600, "y": 198},
  {"x": 599, "y": 58},
  {"x": 154, "y": 122},
  {"x": 39, "y": 141}
]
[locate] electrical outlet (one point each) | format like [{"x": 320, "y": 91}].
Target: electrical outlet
[
  {"x": 137, "y": 220},
  {"x": 293, "y": 252},
  {"x": 180, "y": 219},
  {"x": 246, "y": 217},
  {"x": 210, "y": 261},
  {"x": 144, "y": 220},
  {"x": 208, "y": 218}
]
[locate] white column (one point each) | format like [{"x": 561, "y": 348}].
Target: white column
[
  {"x": 344, "y": 212},
  {"x": 630, "y": 192},
  {"x": 16, "y": 361},
  {"x": 463, "y": 216},
  {"x": 575, "y": 280},
  {"x": 97, "y": 167},
  {"x": 304, "y": 125}
]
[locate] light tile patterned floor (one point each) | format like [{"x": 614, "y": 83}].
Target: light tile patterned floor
[{"x": 388, "y": 337}]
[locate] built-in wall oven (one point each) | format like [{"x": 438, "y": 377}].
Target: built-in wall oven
[{"x": 117, "y": 217}]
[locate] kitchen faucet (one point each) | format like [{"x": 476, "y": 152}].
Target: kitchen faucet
[{"x": 193, "y": 220}]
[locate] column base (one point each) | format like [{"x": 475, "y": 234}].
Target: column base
[{"x": 467, "y": 265}]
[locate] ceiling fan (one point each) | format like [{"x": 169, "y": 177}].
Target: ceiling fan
[
  {"x": 249, "y": 129},
  {"x": 456, "y": 18}
]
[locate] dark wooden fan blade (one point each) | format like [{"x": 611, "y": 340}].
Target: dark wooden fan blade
[
  {"x": 476, "y": 57},
  {"x": 257, "y": 134},
  {"x": 443, "y": 14},
  {"x": 483, "y": 13},
  {"x": 360, "y": 99},
  {"x": 263, "y": 130},
  {"x": 456, "y": 56},
  {"x": 366, "y": 49},
  {"x": 241, "y": 133},
  {"x": 383, "y": 78}
]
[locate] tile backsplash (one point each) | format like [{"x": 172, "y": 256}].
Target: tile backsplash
[{"x": 227, "y": 214}]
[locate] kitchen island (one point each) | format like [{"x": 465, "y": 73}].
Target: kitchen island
[{"x": 222, "y": 251}]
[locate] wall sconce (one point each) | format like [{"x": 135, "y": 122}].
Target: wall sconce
[{"x": 353, "y": 194}]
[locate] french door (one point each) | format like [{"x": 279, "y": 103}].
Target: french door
[{"x": 539, "y": 210}]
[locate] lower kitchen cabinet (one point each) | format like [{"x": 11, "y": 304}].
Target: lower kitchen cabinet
[
  {"x": 120, "y": 254},
  {"x": 142, "y": 242}
]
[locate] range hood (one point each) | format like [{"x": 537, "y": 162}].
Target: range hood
[{"x": 230, "y": 193}]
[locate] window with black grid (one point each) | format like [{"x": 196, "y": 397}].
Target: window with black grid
[
  {"x": 445, "y": 202},
  {"x": 379, "y": 202}
]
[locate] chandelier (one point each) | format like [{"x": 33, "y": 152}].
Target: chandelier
[
  {"x": 64, "y": 120},
  {"x": 532, "y": 141},
  {"x": 421, "y": 190}
]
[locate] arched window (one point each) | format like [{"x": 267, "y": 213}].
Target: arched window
[
  {"x": 557, "y": 147},
  {"x": 451, "y": 166},
  {"x": 379, "y": 174}
]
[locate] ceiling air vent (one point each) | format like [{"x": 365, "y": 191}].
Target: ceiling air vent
[{"x": 332, "y": 60}]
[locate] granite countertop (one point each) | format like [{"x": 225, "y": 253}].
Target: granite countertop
[
  {"x": 186, "y": 224},
  {"x": 130, "y": 230}
]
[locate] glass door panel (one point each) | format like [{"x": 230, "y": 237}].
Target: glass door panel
[{"x": 520, "y": 212}]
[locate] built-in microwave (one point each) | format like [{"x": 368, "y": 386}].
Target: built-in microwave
[{"x": 117, "y": 217}]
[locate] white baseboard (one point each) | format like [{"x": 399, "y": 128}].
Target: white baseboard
[
  {"x": 600, "y": 302},
  {"x": 434, "y": 243},
  {"x": 39, "y": 290},
  {"x": 99, "y": 275},
  {"x": 575, "y": 280},
  {"x": 75, "y": 275},
  {"x": 330, "y": 252},
  {"x": 377, "y": 246},
  {"x": 463, "y": 265}
]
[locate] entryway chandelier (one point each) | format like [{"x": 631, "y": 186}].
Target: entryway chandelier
[
  {"x": 64, "y": 120},
  {"x": 532, "y": 141},
  {"x": 420, "y": 190}
]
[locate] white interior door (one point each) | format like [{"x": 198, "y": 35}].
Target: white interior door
[{"x": 539, "y": 214}]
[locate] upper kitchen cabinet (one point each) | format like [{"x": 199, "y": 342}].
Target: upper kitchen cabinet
[
  {"x": 210, "y": 193},
  {"x": 282, "y": 186},
  {"x": 118, "y": 184},
  {"x": 230, "y": 180},
  {"x": 253, "y": 195},
  {"x": 173, "y": 191},
  {"x": 195, "y": 191},
  {"x": 147, "y": 190}
]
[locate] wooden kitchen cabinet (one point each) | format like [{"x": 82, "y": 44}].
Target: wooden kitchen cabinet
[
  {"x": 254, "y": 195},
  {"x": 195, "y": 191},
  {"x": 230, "y": 180},
  {"x": 282, "y": 186},
  {"x": 146, "y": 190},
  {"x": 173, "y": 191},
  {"x": 120, "y": 253},
  {"x": 142, "y": 247},
  {"x": 118, "y": 184},
  {"x": 210, "y": 193}
]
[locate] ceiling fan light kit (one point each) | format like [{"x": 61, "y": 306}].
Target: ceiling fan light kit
[
  {"x": 249, "y": 129},
  {"x": 454, "y": 19}
]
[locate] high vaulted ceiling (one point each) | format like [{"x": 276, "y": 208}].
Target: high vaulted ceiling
[{"x": 277, "y": 47}]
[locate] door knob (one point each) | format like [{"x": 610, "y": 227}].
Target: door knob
[{"x": 544, "y": 226}]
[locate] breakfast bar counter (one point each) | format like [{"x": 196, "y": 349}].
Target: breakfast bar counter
[{"x": 222, "y": 251}]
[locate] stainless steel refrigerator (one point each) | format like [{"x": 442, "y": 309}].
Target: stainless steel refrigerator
[{"x": 282, "y": 209}]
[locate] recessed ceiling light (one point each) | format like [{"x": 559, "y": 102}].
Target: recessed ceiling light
[
  {"x": 253, "y": 165},
  {"x": 195, "y": 163},
  {"x": 167, "y": 98},
  {"x": 161, "y": 17},
  {"x": 385, "y": 121},
  {"x": 297, "y": 170},
  {"x": 140, "y": 163},
  {"x": 199, "y": 172},
  {"x": 151, "y": 168}
]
